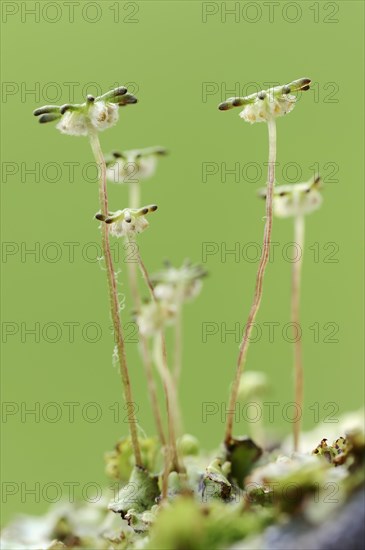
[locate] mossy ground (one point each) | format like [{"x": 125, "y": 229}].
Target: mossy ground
[{"x": 224, "y": 499}]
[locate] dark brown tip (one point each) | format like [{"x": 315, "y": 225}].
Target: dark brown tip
[
  {"x": 48, "y": 117},
  {"x": 40, "y": 111},
  {"x": 64, "y": 108},
  {"x": 100, "y": 217},
  {"x": 153, "y": 208},
  {"x": 117, "y": 155},
  {"x": 120, "y": 91},
  {"x": 223, "y": 106},
  {"x": 305, "y": 84},
  {"x": 127, "y": 99}
]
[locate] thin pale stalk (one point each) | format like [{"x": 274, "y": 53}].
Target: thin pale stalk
[
  {"x": 258, "y": 431},
  {"x": 295, "y": 317},
  {"x": 162, "y": 364},
  {"x": 132, "y": 279},
  {"x": 145, "y": 353},
  {"x": 259, "y": 282},
  {"x": 170, "y": 398},
  {"x": 134, "y": 194},
  {"x": 113, "y": 296},
  {"x": 165, "y": 474},
  {"x": 134, "y": 200},
  {"x": 178, "y": 346},
  {"x": 146, "y": 357}
]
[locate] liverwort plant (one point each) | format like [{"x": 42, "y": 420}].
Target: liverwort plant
[
  {"x": 265, "y": 106},
  {"x": 87, "y": 119},
  {"x": 296, "y": 201},
  {"x": 128, "y": 223},
  {"x": 131, "y": 168},
  {"x": 96, "y": 114},
  {"x": 199, "y": 502}
]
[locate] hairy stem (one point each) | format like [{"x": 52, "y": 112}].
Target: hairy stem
[
  {"x": 113, "y": 295},
  {"x": 259, "y": 282},
  {"x": 295, "y": 317}
]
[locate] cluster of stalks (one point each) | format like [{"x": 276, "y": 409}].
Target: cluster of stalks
[
  {"x": 88, "y": 119},
  {"x": 98, "y": 114},
  {"x": 267, "y": 106},
  {"x": 168, "y": 443}
]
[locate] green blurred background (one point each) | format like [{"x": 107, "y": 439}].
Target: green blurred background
[{"x": 182, "y": 59}]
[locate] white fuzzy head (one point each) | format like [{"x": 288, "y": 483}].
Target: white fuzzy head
[
  {"x": 127, "y": 222},
  {"x": 122, "y": 228},
  {"x": 100, "y": 116},
  {"x": 178, "y": 285},
  {"x": 296, "y": 200},
  {"x": 271, "y": 106},
  {"x": 74, "y": 123},
  {"x": 132, "y": 169},
  {"x": 154, "y": 316},
  {"x": 103, "y": 115}
]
